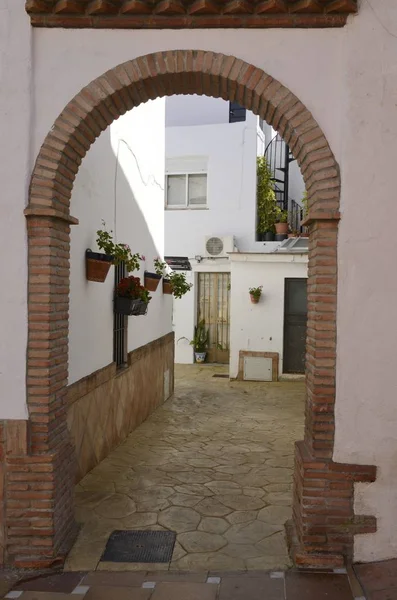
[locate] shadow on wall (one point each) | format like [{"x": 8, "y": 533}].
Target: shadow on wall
[{"x": 118, "y": 182}]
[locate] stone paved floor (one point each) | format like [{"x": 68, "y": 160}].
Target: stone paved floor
[
  {"x": 213, "y": 464},
  {"x": 249, "y": 585}
]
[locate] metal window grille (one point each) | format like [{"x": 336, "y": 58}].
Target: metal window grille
[{"x": 120, "y": 324}]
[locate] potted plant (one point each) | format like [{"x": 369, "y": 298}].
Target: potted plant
[
  {"x": 265, "y": 200},
  {"x": 255, "y": 294},
  {"x": 281, "y": 224},
  {"x": 152, "y": 281},
  {"x": 98, "y": 264},
  {"x": 175, "y": 283},
  {"x": 179, "y": 285},
  {"x": 200, "y": 342},
  {"x": 131, "y": 297},
  {"x": 161, "y": 269}
]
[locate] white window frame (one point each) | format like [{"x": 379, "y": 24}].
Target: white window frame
[{"x": 186, "y": 206}]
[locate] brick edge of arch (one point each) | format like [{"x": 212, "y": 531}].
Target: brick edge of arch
[{"x": 323, "y": 526}]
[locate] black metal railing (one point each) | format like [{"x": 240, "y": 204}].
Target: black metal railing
[
  {"x": 279, "y": 157},
  {"x": 295, "y": 216}
]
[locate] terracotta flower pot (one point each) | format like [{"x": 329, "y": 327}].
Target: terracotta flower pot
[
  {"x": 97, "y": 265},
  {"x": 281, "y": 228},
  {"x": 152, "y": 281},
  {"x": 254, "y": 299},
  {"x": 167, "y": 288}
]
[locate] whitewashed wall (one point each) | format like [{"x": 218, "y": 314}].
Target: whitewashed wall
[
  {"x": 260, "y": 327},
  {"x": 15, "y": 165},
  {"x": 231, "y": 185},
  {"x": 349, "y": 85},
  {"x": 121, "y": 180}
]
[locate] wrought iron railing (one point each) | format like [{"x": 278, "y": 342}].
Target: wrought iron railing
[{"x": 279, "y": 157}]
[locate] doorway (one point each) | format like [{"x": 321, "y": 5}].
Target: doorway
[
  {"x": 295, "y": 325},
  {"x": 214, "y": 307}
]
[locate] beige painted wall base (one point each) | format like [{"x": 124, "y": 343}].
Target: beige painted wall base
[{"x": 105, "y": 407}]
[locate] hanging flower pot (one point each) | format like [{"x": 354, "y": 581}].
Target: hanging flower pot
[
  {"x": 97, "y": 265},
  {"x": 131, "y": 298},
  {"x": 255, "y": 294},
  {"x": 152, "y": 281},
  {"x": 130, "y": 306},
  {"x": 167, "y": 287}
]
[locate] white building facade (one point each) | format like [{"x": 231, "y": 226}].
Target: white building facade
[{"x": 213, "y": 144}]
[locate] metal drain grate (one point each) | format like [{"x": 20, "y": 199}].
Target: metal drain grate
[
  {"x": 225, "y": 375},
  {"x": 139, "y": 547}
]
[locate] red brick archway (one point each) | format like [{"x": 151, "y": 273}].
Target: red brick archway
[{"x": 39, "y": 523}]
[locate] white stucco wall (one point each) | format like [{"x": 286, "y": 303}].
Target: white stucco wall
[
  {"x": 121, "y": 180},
  {"x": 366, "y": 416},
  {"x": 260, "y": 327},
  {"x": 231, "y": 185},
  {"x": 15, "y": 162},
  {"x": 347, "y": 78}
]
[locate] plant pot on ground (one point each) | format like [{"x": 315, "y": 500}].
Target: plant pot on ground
[
  {"x": 267, "y": 237},
  {"x": 200, "y": 342},
  {"x": 152, "y": 281},
  {"x": 97, "y": 265},
  {"x": 131, "y": 298},
  {"x": 255, "y": 294}
]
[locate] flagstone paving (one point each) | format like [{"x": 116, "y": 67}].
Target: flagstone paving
[{"x": 214, "y": 464}]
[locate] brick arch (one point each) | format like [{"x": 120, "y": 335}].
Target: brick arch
[{"x": 323, "y": 490}]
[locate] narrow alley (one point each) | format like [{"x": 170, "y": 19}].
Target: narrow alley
[{"x": 213, "y": 464}]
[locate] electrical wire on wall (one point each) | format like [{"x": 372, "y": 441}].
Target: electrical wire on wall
[
  {"x": 151, "y": 180},
  {"x": 242, "y": 167},
  {"x": 379, "y": 20}
]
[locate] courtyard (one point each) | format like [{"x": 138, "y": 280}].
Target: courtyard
[{"x": 213, "y": 464}]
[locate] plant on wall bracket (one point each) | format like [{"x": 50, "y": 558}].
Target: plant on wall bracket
[
  {"x": 98, "y": 263},
  {"x": 131, "y": 298},
  {"x": 120, "y": 252},
  {"x": 175, "y": 283},
  {"x": 179, "y": 285},
  {"x": 255, "y": 293}
]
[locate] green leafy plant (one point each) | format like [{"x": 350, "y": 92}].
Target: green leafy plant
[
  {"x": 120, "y": 252},
  {"x": 201, "y": 337},
  {"x": 130, "y": 287},
  {"x": 265, "y": 196},
  {"x": 256, "y": 292},
  {"x": 179, "y": 285},
  {"x": 160, "y": 267},
  {"x": 281, "y": 215}
]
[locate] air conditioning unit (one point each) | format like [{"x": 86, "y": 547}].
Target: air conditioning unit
[{"x": 219, "y": 246}]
